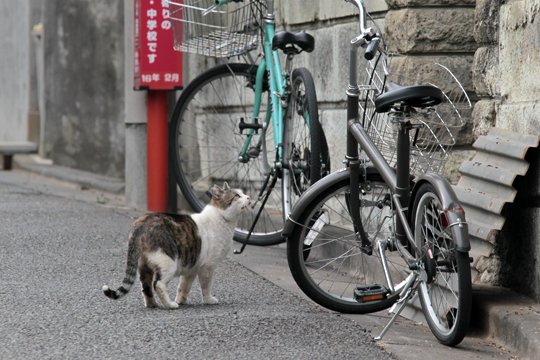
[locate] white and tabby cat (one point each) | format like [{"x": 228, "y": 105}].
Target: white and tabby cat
[{"x": 164, "y": 246}]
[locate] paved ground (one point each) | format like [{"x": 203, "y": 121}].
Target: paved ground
[
  {"x": 407, "y": 340},
  {"x": 57, "y": 252},
  {"x": 60, "y": 244}
]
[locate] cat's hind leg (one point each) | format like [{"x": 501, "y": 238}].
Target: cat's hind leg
[
  {"x": 147, "y": 275},
  {"x": 183, "y": 288},
  {"x": 166, "y": 269},
  {"x": 205, "y": 279}
]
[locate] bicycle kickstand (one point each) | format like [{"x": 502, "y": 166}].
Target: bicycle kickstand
[
  {"x": 274, "y": 176},
  {"x": 407, "y": 293}
]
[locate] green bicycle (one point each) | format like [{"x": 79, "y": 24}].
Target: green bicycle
[{"x": 246, "y": 123}]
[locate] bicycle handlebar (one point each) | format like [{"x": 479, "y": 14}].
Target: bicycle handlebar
[
  {"x": 367, "y": 37},
  {"x": 361, "y": 7}
]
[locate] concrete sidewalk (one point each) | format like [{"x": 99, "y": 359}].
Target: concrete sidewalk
[{"x": 505, "y": 325}]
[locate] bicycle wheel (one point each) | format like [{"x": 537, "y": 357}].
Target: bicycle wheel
[
  {"x": 206, "y": 143},
  {"x": 445, "y": 293},
  {"x": 304, "y": 144},
  {"x": 336, "y": 266}
]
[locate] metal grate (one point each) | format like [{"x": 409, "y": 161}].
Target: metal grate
[
  {"x": 203, "y": 28},
  {"x": 433, "y": 140}
]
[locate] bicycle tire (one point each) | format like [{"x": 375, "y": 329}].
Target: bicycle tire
[
  {"x": 335, "y": 250},
  {"x": 205, "y": 143},
  {"x": 304, "y": 143},
  {"x": 445, "y": 294}
]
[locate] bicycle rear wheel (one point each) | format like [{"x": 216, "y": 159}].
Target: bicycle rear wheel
[
  {"x": 336, "y": 266},
  {"x": 305, "y": 150},
  {"x": 206, "y": 142},
  {"x": 445, "y": 294}
]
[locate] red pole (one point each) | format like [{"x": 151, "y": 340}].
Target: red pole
[{"x": 157, "y": 150}]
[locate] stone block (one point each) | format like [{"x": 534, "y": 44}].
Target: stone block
[
  {"x": 486, "y": 28},
  {"x": 417, "y": 30},
  {"x": 335, "y": 9},
  {"x": 519, "y": 51},
  {"x": 334, "y": 123},
  {"x": 485, "y": 71},
  {"x": 296, "y": 12},
  {"x": 520, "y": 117},
  {"x": 423, "y": 69},
  {"x": 484, "y": 117},
  {"x": 394, "y": 4},
  {"x": 329, "y": 62},
  {"x": 488, "y": 267},
  {"x": 451, "y": 168}
]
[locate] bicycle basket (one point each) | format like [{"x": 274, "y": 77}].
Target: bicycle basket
[
  {"x": 437, "y": 127},
  {"x": 201, "y": 27}
]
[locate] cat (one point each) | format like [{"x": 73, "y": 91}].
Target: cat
[{"x": 164, "y": 246}]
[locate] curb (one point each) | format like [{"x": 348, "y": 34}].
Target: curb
[
  {"x": 84, "y": 178},
  {"x": 508, "y": 317}
]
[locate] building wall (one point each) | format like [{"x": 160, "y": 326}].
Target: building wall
[
  {"x": 72, "y": 74},
  {"x": 14, "y": 66},
  {"x": 84, "y": 85}
]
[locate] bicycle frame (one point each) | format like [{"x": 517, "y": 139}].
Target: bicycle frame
[{"x": 278, "y": 83}]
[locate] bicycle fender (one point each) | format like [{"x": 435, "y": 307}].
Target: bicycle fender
[
  {"x": 310, "y": 195},
  {"x": 452, "y": 207}
]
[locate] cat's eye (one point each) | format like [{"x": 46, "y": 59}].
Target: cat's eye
[{"x": 234, "y": 198}]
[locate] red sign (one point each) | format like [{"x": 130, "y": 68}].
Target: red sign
[{"x": 157, "y": 65}]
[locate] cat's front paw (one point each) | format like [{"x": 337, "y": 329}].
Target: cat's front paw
[
  {"x": 172, "y": 305},
  {"x": 181, "y": 300},
  {"x": 211, "y": 300}
]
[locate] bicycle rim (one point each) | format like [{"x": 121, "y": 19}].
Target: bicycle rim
[
  {"x": 336, "y": 266},
  {"x": 206, "y": 143},
  {"x": 445, "y": 293}
]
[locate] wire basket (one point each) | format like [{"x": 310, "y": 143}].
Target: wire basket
[
  {"x": 201, "y": 27},
  {"x": 437, "y": 127}
]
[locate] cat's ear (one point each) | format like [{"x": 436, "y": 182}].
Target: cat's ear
[
  {"x": 226, "y": 186},
  {"x": 217, "y": 192}
]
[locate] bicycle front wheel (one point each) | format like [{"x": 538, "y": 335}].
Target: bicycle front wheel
[
  {"x": 208, "y": 148},
  {"x": 337, "y": 273},
  {"x": 445, "y": 293},
  {"x": 305, "y": 150}
]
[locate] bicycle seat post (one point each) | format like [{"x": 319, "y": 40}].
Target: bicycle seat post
[{"x": 403, "y": 180}]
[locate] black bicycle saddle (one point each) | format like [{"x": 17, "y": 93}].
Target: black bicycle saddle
[
  {"x": 420, "y": 96},
  {"x": 286, "y": 41}
]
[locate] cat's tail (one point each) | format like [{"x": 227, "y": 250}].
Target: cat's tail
[{"x": 131, "y": 273}]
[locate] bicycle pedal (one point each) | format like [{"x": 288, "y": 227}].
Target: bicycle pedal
[{"x": 363, "y": 294}]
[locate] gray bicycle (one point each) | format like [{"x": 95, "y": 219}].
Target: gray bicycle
[{"x": 387, "y": 230}]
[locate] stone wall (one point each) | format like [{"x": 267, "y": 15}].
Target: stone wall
[{"x": 506, "y": 72}]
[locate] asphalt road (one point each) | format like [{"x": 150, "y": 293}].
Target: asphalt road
[{"x": 59, "y": 247}]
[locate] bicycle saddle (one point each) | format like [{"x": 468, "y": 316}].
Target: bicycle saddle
[
  {"x": 420, "y": 96},
  {"x": 286, "y": 41}
]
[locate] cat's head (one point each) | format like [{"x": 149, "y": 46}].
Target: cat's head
[{"x": 232, "y": 201}]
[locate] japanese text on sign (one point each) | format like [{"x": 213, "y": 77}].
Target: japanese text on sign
[{"x": 157, "y": 65}]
